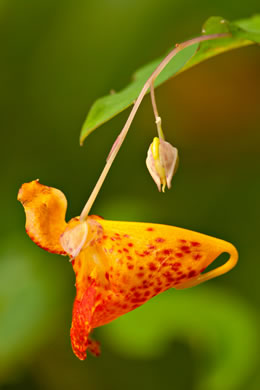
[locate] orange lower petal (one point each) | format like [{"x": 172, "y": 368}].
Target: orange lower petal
[
  {"x": 45, "y": 209},
  {"x": 81, "y": 324}
]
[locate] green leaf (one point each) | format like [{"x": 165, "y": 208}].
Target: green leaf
[{"x": 243, "y": 32}]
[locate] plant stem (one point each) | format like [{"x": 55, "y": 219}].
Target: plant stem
[
  {"x": 158, "y": 119},
  {"x": 122, "y": 135}
]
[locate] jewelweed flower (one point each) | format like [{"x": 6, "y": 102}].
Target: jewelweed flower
[
  {"x": 162, "y": 162},
  {"x": 118, "y": 265}
]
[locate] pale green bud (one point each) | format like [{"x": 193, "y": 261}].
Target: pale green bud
[{"x": 162, "y": 162}]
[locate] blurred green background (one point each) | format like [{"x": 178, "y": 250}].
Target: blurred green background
[{"x": 57, "y": 57}]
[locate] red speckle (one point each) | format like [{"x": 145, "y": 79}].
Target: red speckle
[
  {"x": 104, "y": 237},
  {"x": 107, "y": 275},
  {"x": 145, "y": 253},
  {"x": 203, "y": 269},
  {"x": 126, "y": 250},
  {"x": 179, "y": 254},
  {"x": 130, "y": 266},
  {"x": 167, "y": 251},
  {"x": 183, "y": 241},
  {"x": 147, "y": 293},
  {"x": 130, "y": 244},
  {"x": 150, "y": 229},
  {"x": 165, "y": 264},
  {"x": 125, "y": 306},
  {"x": 126, "y": 235},
  {"x": 73, "y": 262},
  {"x": 152, "y": 267},
  {"x": 112, "y": 238},
  {"x": 140, "y": 275},
  {"x": 159, "y": 239},
  {"x": 129, "y": 257},
  {"x": 161, "y": 259},
  {"x": 141, "y": 268},
  {"x": 119, "y": 251},
  {"x": 191, "y": 274},
  {"x": 137, "y": 294},
  {"x": 195, "y": 243},
  {"x": 196, "y": 256},
  {"x": 157, "y": 289},
  {"x": 181, "y": 277},
  {"x": 138, "y": 300},
  {"x": 152, "y": 247},
  {"x": 133, "y": 289},
  {"x": 184, "y": 248}
]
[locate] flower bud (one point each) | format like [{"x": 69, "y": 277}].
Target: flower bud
[{"x": 162, "y": 162}]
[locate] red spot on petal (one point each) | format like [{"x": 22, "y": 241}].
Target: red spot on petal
[
  {"x": 191, "y": 274},
  {"x": 197, "y": 256},
  {"x": 167, "y": 251},
  {"x": 126, "y": 250},
  {"x": 179, "y": 254},
  {"x": 152, "y": 266},
  {"x": 130, "y": 266},
  {"x": 140, "y": 275},
  {"x": 129, "y": 257},
  {"x": 183, "y": 241},
  {"x": 195, "y": 243},
  {"x": 130, "y": 244},
  {"x": 150, "y": 229},
  {"x": 159, "y": 239}
]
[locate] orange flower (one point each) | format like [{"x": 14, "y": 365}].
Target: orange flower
[{"x": 118, "y": 265}]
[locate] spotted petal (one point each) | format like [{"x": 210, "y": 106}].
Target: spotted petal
[{"x": 129, "y": 263}]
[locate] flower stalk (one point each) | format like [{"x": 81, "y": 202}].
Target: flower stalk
[{"x": 148, "y": 84}]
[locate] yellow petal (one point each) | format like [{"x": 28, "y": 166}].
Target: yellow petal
[
  {"x": 45, "y": 209},
  {"x": 132, "y": 262}
]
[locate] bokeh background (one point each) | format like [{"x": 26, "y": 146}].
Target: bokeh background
[{"x": 57, "y": 57}]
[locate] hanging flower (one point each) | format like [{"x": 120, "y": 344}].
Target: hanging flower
[
  {"x": 118, "y": 265},
  {"x": 162, "y": 162}
]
